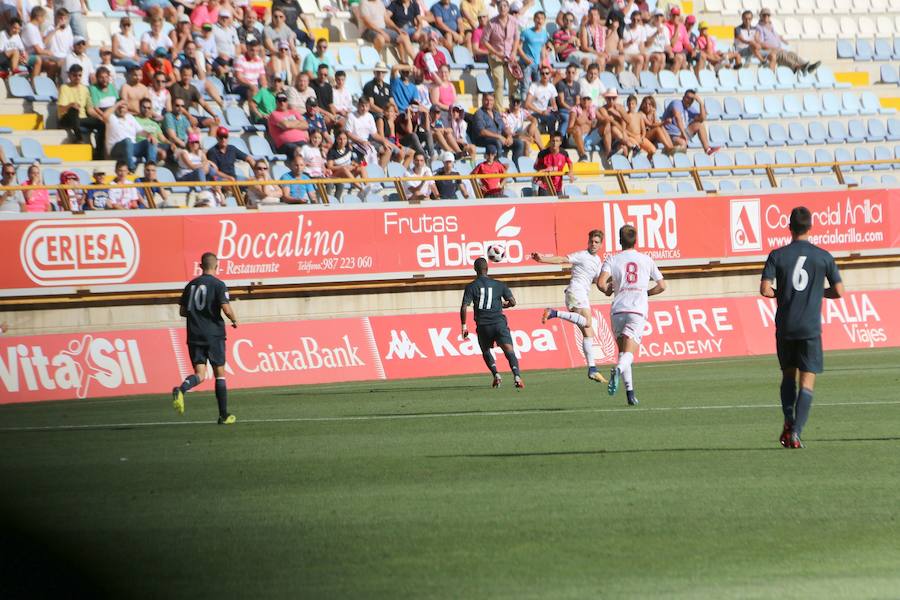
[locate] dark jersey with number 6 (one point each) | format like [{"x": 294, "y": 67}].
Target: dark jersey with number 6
[
  {"x": 799, "y": 271},
  {"x": 202, "y": 299},
  {"x": 487, "y": 295}
]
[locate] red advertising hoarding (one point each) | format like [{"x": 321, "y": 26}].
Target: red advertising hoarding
[{"x": 89, "y": 365}]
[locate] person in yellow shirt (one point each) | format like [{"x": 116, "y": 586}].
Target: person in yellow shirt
[
  {"x": 470, "y": 10},
  {"x": 72, "y": 109}
]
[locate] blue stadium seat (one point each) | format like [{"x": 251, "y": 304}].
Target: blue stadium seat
[
  {"x": 609, "y": 80},
  {"x": 757, "y": 136},
  {"x": 825, "y": 79},
  {"x": 766, "y": 79},
  {"x": 628, "y": 82},
  {"x": 595, "y": 190},
  {"x": 850, "y": 102},
  {"x": 733, "y": 109},
  {"x": 748, "y": 184},
  {"x": 802, "y": 156},
  {"x": 683, "y": 161},
  {"x": 762, "y": 157},
  {"x": 12, "y": 153},
  {"x": 713, "y": 108},
  {"x": 808, "y": 182},
  {"x": 872, "y": 105},
  {"x": 797, "y": 135},
  {"x": 462, "y": 56},
  {"x": 620, "y": 163},
  {"x": 239, "y": 143},
  {"x": 786, "y": 79},
  {"x": 772, "y": 107},
  {"x": 727, "y": 80},
  {"x": 889, "y": 74},
  {"x": 752, "y": 107},
  {"x": 831, "y": 105},
  {"x": 746, "y": 80},
  {"x": 843, "y": 155},
  {"x": 829, "y": 181},
  {"x": 641, "y": 162},
  {"x": 845, "y": 49},
  {"x": 237, "y": 119},
  {"x": 45, "y": 88},
  {"x": 897, "y": 151},
  {"x": 778, "y": 136},
  {"x": 823, "y": 156},
  {"x": 856, "y": 132},
  {"x": 708, "y": 82},
  {"x": 863, "y": 154},
  {"x": 883, "y": 50},
  {"x": 863, "y": 50},
  {"x": 742, "y": 159},
  {"x": 668, "y": 82},
  {"x": 726, "y": 185},
  {"x": 649, "y": 83},
  {"x": 812, "y": 105},
  {"x": 897, "y": 48},
  {"x": 837, "y": 132},
  {"x": 717, "y": 135},
  {"x": 737, "y": 136},
  {"x": 702, "y": 159},
  {"x": 260, "y": 148},
  {"x": 34, "y": 152},
  {"x": 783, "y": 157},
  {"x": 348, "y": 57},
  {"x": 661, "y": 161},
  {"x": 483, "y": 84},
  {"x": 686, "y": 187},
  {"x": 687, "y": 81},
  {"x": 868, "y": 181},
  {"x": 369, "y": 57},
  {"x": 525, "y": 164},
  {"x": 817, "y": 133},
  {"x": 787, "y": 184},
  {"x": 876, "y": 132},
  {"x": 571, "y": 190},
  {"x": 888, "y": 180},
  {"x": 19, "y": 87},
  {"x": 664, "y": 187},
  {"x": 882, "y": 153}
]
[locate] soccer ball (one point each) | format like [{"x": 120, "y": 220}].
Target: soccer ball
[{"x": 496, "y": 252}]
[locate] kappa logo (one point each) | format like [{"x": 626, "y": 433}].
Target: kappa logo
[
  {"x": 402, "y": 347},
  {"x": 746, "y": 235}
]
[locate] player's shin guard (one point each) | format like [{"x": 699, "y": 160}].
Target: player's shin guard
[
  {"x": 489, "y": 361},
  {"x": 571, "y": 317},
  {"x": 513, "y": 362},
  {"x": 189, "y": 382},
  {"x": 624, "y": 367},
  {"x": 804, "y": 404},
  {"x": 788, "y": 399},
  {"x": 587, "y": 346},
  {"x": 222, "y": 396}
]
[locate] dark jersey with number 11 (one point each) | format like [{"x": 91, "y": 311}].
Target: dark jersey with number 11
[
  {"x": 487, "y": 295},
  {"x": 202, "y": 300},
  {"x": 799, "y": 271}
]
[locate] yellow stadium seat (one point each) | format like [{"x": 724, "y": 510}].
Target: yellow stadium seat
[
  {"x": 69, "y": 152},
  {"x": 22, "y": 122},
  {"x": 586, "y": 168},
  {"x": 856, "y": 78}
]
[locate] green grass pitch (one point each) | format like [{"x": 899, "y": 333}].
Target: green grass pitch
[{"x": 445, "y": 488}]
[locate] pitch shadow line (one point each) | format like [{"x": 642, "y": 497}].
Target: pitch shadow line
[{"x": 350, "y": 418}]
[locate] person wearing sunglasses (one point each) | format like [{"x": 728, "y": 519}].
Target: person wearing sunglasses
[
  {"x": 124, "y": 46},
  {"x": 263, "y": 193},
  {"x": 11, "y": 200}
]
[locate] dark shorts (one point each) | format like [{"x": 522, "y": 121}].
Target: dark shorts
[
  {"x": 805, "y": 355},
  {"x": 489, "y": 334},
  {"x": 214, "y": 352}
]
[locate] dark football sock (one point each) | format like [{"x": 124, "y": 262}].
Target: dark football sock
[
  {"x": 222, "y": 396},
  {"x": 513, "y": 362},
  {"x": 189, "y": 382},
  {"x": 804, "y": 404},
  {"x": 489, "y": 361},
  {"x": 788, "y": 399}
]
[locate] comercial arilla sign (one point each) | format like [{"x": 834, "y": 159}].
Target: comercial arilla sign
[
  {"x": 162, "y": 249},
  {"x": 99, "y": 364}
]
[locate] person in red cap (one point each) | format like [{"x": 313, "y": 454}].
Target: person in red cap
[
  {"x": 680, "y": 41},
  {"x": 223, "y": 155}
]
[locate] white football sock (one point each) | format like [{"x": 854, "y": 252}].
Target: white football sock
[
  {"x": 572, "y": 317},
  {"x": 624, "y": 367},
  {"x": 587, "y": 346}
]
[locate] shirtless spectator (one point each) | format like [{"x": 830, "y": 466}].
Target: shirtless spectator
[
  {"x": 653, "y": 127},
  {"x": 133, "y": 91},
  {"x": 581, "y": 122},
  {"x": 636, "y": 127},
  {"x": 611, "y": 121}
]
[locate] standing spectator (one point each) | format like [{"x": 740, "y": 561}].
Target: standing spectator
[
  {"x": 533, "y": 40},
  {"x": 160, "y": 194},
  {"x": 489, "y": 130},
  {"x": 748, "y": 44},
  {"x": 491, "y": 187},
  {"x": 13, "y": 57},
  {"x": 685, "y": 118},
  {"x": 578, "y": 8},
  {"x": 541, "y": 102},
  {"x": 378, "y": 90},
  {"x": 192, "y": 162},
  {"x": 133, "y": 91},
  {"x": 11, "y": 200},
  {"x": 250, "y": 71},
  {"x": 121, "y": 137},
  {"x": 287, "y": 127},
  {"x": 772, "y": 42},
  {"x": 78, "y": 57},
  {"x": 40, "y": 58},
  {"x": 37, "y": 200},
  {"x": 315, "y": 60},
  {"x": 447, "y": 20},
  {"x": 502, "y": 44},
  {"x": 125, "y": 47},
  {"x": 298, "y": 193},
  {"x": 448, "y": 189},
  {"x": 552, "y": 159},
  {"x": 263, "y": 193},
  {"x": 97, "y": 199},
  {"x": 423, "y": 187},
  {"x": 123, "y": 198}
]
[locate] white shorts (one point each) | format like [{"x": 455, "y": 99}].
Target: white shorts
[
  {"x": 577, "y": 299},
  {"x": 628, "y": 324}
]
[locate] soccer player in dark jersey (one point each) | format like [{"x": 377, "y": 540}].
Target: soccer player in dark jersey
[
  {"x": 795, "y": 276},
  {"x": 489, "y": 298},
  {"x": 203, "y": 301}
]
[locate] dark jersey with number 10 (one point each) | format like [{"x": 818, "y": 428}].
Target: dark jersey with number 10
[
  {"x": 202, "y": 299},
  {"x": 487, "y": 295},
  {"x": 799, "y": 271}
]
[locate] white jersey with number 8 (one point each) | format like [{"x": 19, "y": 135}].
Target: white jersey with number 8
[{"x": 631, "y": 272}]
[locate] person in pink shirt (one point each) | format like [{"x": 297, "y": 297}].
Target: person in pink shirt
[
  {"x": 208, "y": 12},
  {"x": 287, "y": 127},
  {"x": 36, "y": 200},
  {"x": 706, "y": 46},
  {"x": 678, "y": 39},
  {"x": 479, "y": 52},
  {"x": 501, "y": 40}
]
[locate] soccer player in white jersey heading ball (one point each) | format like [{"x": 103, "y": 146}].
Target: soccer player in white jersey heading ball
[
  {"x": 628, "y": 275},
  {"x": 585, "y": 269}
]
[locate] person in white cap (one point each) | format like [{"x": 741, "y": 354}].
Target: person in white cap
[
  {"x": 78, "y": 57},
  {"x": 225, "y": 34},
  {"x": 447, "y": 189}
]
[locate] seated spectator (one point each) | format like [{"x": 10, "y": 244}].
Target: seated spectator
[
  {"x": 708, "y": 54},
  {"x": 406, "y": 17},
  {"x": 249, "y": 71},
  {"x": 123, "y": 198},
  {"x": 657, "y": 44},
  {"x": 343, "y": 162},
  {"x": 541, "y": 102},
  {"x": 443, "y": 91},
  {"x": 263, "y": 193},
  {"x": 489, "y": 130},
  {"x": 122, "y": 130},
  {"x": 161, "y": 195},
  {"x": 578, "y": 9},
  {"x": 72, "y": 109},
  {"x": 37, "y": 200},
  {"x": 60, "y": 40},
  {"x": 522, "y": 125},
  {"x": 263, "y": 103},
  {"x": 444, "y": 137},
  {"x": 552, "y": 159},
  {"x": 160, "y": 63},
  {"x": 287, "y": 127},
  {"x": 447, "y": 21},
  {"x": 653, "y": 127},
  {"x": 304, "y": 91},
  {"x": 611, "y": 124},
  {"x": 685, "y": 118},
  {"x": 373, "y": 21},
  {"x": 125, "y": 47},
  {"x": 178, "y": 125},
  {"x": 250, "y": 28},
  {"x": 595, "y": 44},
  {"x": 412, "y": 128},
  {"x": 40, "y": 59},
  {"x": 678, "y": 40},
  {"x": 342, "y": 98},
  {"x": 378, "y": 91},
  {"x": 591, "y": 85},
  {"x": 748, "y": 43},
  {"x": 74, "y": 198},
  {"x": 192, "y": 162},
  {"x": 298, "y": 193},
  {"x": 205, "y": 13},
  {"x": 775, "y": 45},
  {"x": 183, "y": 90},
  {"x": 282, "y": 65},
  {"x": 459, "y": 128},
  {"x": 316, "y": 59},
  {"x": 319, "y": 119},
  {"x": 363, "y": 133},
  {"x": 11, "y": 200},
  {"x": 636, "y": 127},
  {"x": 388, "y": 138},
  {"x": 78, "y": 57},
  {"x": 314, "y": 156},
  {"x": 150, "y": 125},
  {"x": 13, "y": 57},
  {"x": 568, "y": 91},
  {"x": 476, "y": 47},
  {"x": 206, "y": 43},
  {"x": 97, "y": 199},
  {"x": 223, "y": 155},
  {"x": 582, "y": 121},
  {"x": 567, "y": 43},
  {"x": 133, "y": 91},
  {"x": 155, "y": 39},
  {"x": 278, "y": 30},
  {"x": 225, "y": 35},
  {"x": 490, "y": 187},
  {"x": 103, "y": 92},
  {"x": 422, "y": 188},
  {"x": 156, "y": 9},
  {"x": 448, "y": 189},
  {"x": 159, "y": 96},
  {"x": 634, "y": 46},
  {"x": 403, "y": 91},
  {"x": 321, "y": 85},
  {"x": 181, "y": 34}
]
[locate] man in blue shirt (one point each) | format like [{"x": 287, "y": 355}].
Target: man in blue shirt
[
  {"x": 686, "y": 118},
  {"x": 298, "y": 193},
  {"x": 403, "y": 91},
  {"x": 489, "y": 131},
  {"x": 224, "y": 155},
  {"x": 533, "y": 41},
  {"x": 446, "y": 19}
]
